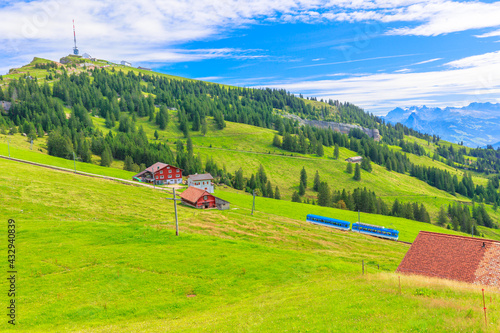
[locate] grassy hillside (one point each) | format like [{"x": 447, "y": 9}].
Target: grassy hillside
[
  {"x": 98, "y": 256},
  {"x": 245, "y": 146},
  {"x": 239, "y": 145}
]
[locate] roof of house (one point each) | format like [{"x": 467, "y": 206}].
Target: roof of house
[
  {"x": 203, "y": 176},
  {"x": 355, "y": 158},
  {"x": 193, "y": 194},
  {"x": 155, "y": 167},
  {"x": 467, "y": 259}
]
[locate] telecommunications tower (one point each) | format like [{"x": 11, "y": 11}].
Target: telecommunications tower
[{"x": 75, "y": 49}]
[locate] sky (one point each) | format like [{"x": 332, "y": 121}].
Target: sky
[{"x": 377, "y": 54}]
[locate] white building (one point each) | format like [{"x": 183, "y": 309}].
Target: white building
[
  {"x": 202, "y": 181},
  {"x": 126, "y": 63},
  {"x": 86, "y": 56},
  {"x": 355, "y": 159}
]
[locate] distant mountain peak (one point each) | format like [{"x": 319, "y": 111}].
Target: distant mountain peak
[{"x": 475, "y": 124}]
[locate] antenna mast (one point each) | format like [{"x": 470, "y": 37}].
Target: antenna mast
[{"x": 75, "y": 49}]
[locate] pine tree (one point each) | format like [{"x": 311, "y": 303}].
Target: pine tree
[
  {"x": 277, "y": 194},
  {"x": 366, "y": 165},
  {"x": 323, "y": 194},
  {"x": 196, "y": 122},
  {"x": 189, "y": 146},
  {"x": 442, "y": 218},
  {"x": 269, "y": 190},
  {"x": 106, "y": 157},
  {"x": 156, "y": 135},
  {"x": 348, "y": 168},
  {"x": 319, "y": 149},
  {"x": 238, "y": 182},
  {"x": 357, "y": 173},
  {"x": 336, "y": 152},
  {"x": 204, "y": 127},
  {"x": 303, "y": 177},
  {"x": 316, "y": 181},
  {"x": 296, "y": 197},
  {"x": 302, "y": 189},
  {"x": 128, "y": 163}
]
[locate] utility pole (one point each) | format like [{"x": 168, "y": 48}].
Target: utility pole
[
  {"x": 31, "y": 146},
  {"x": 176, "y": 217},
  {"x": 253, "y": 205},
  {"x": 8, "y": 146},
  {"x": 359, "y": 219},
  {"x": 74, "y": 161}
]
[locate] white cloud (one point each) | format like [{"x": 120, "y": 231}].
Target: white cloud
[
  {"x": 426, "y": 61},
  {"x": 379, "y": 93},
  {"x": 480, "y": 60},
  {"x": 442, "y": 17},
  {"x": 489, "y": 34}
]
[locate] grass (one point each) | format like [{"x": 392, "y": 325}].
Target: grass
[
  {"x": 20, "y": 149},
  {"x": 408, "y": 229},
  {"x": 96, "y": 257}
]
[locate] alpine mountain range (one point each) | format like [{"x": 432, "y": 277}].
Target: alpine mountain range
[{"x": 476, "y": 125}]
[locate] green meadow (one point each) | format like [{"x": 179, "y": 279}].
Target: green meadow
[
  {"x": 98, "y": 256},
  {"x": 245, "y": 146}
]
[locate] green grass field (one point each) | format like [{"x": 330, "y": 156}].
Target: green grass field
[{"x": 98, "y": 256}]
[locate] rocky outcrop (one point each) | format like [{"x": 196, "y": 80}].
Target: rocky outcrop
[
  {"x": 5, "y": 105},
  {"x": 339, "y": 127}
]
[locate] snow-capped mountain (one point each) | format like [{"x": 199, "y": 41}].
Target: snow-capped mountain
[{"x": 477, "y": 124}]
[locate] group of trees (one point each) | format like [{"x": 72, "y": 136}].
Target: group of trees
[
  {"x": 362, "y": 200},
  {"x": 258, "y": 183},
  {"x": 366, "y": 201},
  {"x": 463, "y": 219},
  {"x": 380, "y": 154}
]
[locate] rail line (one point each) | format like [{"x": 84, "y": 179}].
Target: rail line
[{"x": 92, "y": 175}]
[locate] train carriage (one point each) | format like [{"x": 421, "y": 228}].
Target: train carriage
[
  {"x": 375, "y": 230},
  {"x": 329, "y": 222}
]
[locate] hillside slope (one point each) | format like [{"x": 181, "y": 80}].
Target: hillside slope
[
  {"x": 96, "y": 257},
  {"x": 120, "y": 113}
]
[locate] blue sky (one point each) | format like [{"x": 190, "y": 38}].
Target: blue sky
[{"x": 376, "y": 54}]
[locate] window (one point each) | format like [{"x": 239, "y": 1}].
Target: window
[
  {"x": 161, "y": 177},
  {"x": 169, "y": 171},
  {"x": 205, "y": 197},
  {"x": 161, "y": 171},
  {"x": 177, "y": 176},
  {"x": 169, "y": 176}
]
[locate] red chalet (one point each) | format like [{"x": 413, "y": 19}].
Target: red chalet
[
  {"x": 199, "y": 198},
  {"x": 162, "y": 173}
]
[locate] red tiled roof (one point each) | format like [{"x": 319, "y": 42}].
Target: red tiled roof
[
  {"x": 472, "y": 260},
  {"x": 193, "y": 194},
  {"x": 155, "y": 167},
  {"x": 203, "y": 176}
]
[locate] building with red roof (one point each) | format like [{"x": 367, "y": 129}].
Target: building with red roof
[
  {"x": 162, "y": 173},
  {"x": 460, "y": 258},
  {"x": 199, "y": 198}
]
